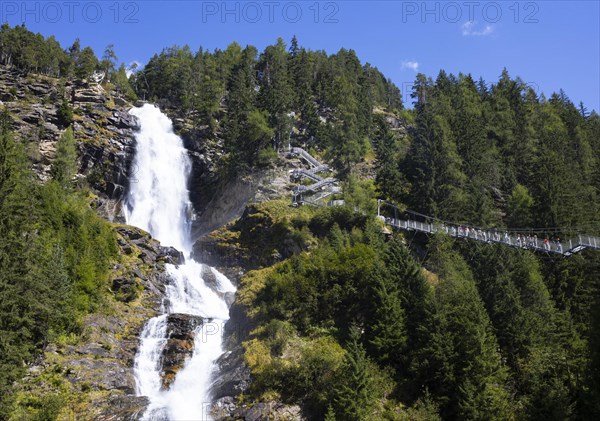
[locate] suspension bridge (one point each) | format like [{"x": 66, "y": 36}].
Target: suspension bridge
[
  {"x": 508, "y": 237},
  {"x": 323, "y": 187}
]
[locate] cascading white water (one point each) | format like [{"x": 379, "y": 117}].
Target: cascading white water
[{"x": 158, "y": 202}]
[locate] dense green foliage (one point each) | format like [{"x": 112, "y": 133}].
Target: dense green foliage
[
  {"x": 255, "y": 101},
  {"x": 497, "y": 156},
  {"x": 490, "y": 333},
  {"x": 55, "y": 255}
]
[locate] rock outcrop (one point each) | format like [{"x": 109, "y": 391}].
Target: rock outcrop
[
  {"x": 102, "y": 126},
  {"x": 227, "y": 409},
  {"x": 181, "y": 330}
]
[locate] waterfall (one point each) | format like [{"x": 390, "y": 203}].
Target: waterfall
[{"x": 158, "y": 202}]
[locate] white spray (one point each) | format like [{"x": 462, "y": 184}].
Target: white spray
[{"x": 158, "y": 202}]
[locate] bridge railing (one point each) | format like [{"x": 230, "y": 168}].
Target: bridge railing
[
  {"x": 309, "y": 174},
  {"x": 589, "y": 241},
  {"x": 308, "y": 157},
  {"x": 572, "y": 245}
]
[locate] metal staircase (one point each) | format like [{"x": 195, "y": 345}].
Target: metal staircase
[{"x": 321, "y": 188}]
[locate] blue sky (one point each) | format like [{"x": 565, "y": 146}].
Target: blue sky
[{"x": 549, "y": 44}]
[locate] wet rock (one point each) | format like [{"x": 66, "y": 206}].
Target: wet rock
[
  {"x": 182, "y": 326},
  {"x": 114, "y": 190},
  {"x": 179, "y": 347},
  {"x": 209, "y": 277},
  {"x": 171, "y": 255},
  {"x": 234, "y": 376}
]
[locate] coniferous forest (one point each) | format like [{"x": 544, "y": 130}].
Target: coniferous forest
[{"x": 354, "y": 323}]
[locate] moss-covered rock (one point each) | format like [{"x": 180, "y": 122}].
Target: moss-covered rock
[{"x": 266, "y": 233}]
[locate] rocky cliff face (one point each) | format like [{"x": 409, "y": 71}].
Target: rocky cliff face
[
  {"x": 218, "y": 197},
  {"x": 103, "y": 129}
]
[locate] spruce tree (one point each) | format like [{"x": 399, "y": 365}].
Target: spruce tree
[
  {"x": 352, "y": 398},
  {"x": 64, "y": 166},
  {"x": 462, "y": 355},
  {"x": 387, "y": 327},
  {"x": 276, "y": 95}
]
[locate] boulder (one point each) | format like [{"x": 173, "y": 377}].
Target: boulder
[
  {"x": 234, "y": 375},
  {"x": 126, "y": 289},
  {"x": 121, "y": 407},
  {"x": 171, "y": 255}
]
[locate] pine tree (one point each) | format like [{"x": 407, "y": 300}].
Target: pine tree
[
  {"x": 434, "y": 166},
  {"x": 86, "y": 63},
  {"x": 122, "y": 84},
  {"x": 108, "y": 63},
  {"x": 478, "y": 154},
  {"x": 22, "y": 325},
  {"x": 330, "y": 415},
  {"x": 241, "y": 101},
  {"x": 390, "y": 182}
]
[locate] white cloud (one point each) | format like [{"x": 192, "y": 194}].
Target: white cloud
[
  {"x": 410, "y": 64},
  {"x": 128, "y": 67},
  {"x": 470, "y": 28}
]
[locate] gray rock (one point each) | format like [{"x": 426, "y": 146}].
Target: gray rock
[
  {"x": 234, "y": 376},
  {"x": 171, "y": 255},
  {"x": 131, "y": 233},
  {"x": 103, "y": 374},
  {"x": 40, "y": 89},
  {"x": 182, "y": 326},
  {"x": 126, "y": 289},
  {"x": 122, "y": 407},
  {"x": 271, "y": 411},
  {"x": 179, "y": 347},
  {"x": 210, "y": 279},
  {"x": 90, "y": 95}
]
